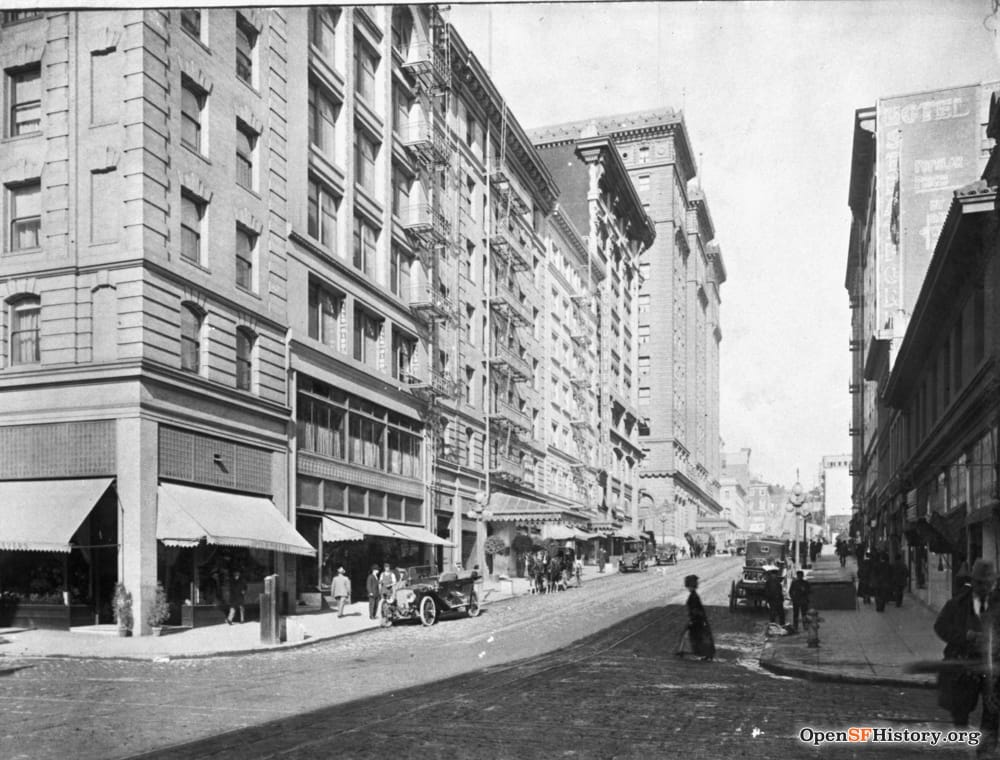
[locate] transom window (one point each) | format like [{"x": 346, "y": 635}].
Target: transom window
[
  {"x": 24, "y": 203},
  {"x": 25, "y": 316},
  {"x": 24, "y": 88}
]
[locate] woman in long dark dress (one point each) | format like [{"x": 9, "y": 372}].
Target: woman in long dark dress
[{"x": 698, "y": 631}]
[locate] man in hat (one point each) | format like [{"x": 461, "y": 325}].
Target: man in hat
[
  {"x": 967, "y": 625},
  {"x": 341, "y": 590},
  {"x": 774, "y": 594},
  {"x": 371, "y": 586}
]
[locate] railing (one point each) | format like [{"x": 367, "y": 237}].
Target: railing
[
  {"x": 431, "y": 303},
  {"x": 506, "y": 359},
  {"x": 426, "y": 142},
  {"x": 508, "y": 469},
  {"x": 504, "y": 413},
  {"x": 436, "y": 384},
  {"x": 427, "y": 65},
  {"x": 505, "y": 243},
  {"x": 425, "y": 223},
  {"x": 509, "y": 305}
]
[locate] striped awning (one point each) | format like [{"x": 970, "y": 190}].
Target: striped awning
[
  {"x": 420, "y": 535},
  {"x": 506, "y": 507},
  {"x": 333, "y": 530}
]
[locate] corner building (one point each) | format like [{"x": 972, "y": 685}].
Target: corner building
[{"x": 677, "y": 321}]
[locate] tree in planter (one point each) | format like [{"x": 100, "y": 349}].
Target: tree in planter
[
  {"x": 496, "y": 547},
  {"x": 159, "y": 610},
  {"x": 122, "y": 606}
]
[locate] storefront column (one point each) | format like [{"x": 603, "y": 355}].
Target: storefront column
[
  {"x": 137, "y": 458},
  {"x": 283, "y": 493}
]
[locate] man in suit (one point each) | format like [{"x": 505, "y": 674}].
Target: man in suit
[
  {"x": 371, "y": 586},
  {"x": 967, "y": 625}
]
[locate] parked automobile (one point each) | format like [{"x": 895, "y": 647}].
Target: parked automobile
[
  {"x": 633, "y": 557},
  {"x": 423, "y": 594},
  {"x": 749, "y": 587},
  {"x": 666, "y": 555}
]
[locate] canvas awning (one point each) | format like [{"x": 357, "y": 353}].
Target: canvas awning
[
  {"x": 333, "y": 530},
  {"x": 420, "y": 535},
  {"x": 582, "y": 535},
  {"x": 368, "y": 527},
  {"x": 187, "y": 515},
  {"x": 558, "y": 532},
  {"x": 43, "y": 515}
]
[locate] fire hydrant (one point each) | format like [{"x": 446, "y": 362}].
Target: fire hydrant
[{"x": 810, "y": 622}]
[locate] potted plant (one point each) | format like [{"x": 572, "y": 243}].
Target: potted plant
[
  {"x": 122, "y": 606},
  {"x": 159, "y": 610},
  {"x": 495, "y": 547}
]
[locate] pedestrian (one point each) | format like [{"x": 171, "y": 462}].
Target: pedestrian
[
  {"x": 341, "y": 590},
  {"x": 386, "y": 584},
  {"x": 371, "y": 587},
  {"x": 237, "y": 597},
  {"x": 900, "y": 578},
  {"x": 798, "y": 592},
  {"x": 864, "y": 579},
  {"x": 881, "y": 580},
  {"x": 842, "y": 551},
  {"x": 698, "y": 631},
  {"x": 774, "y": 594},
  {"x": 968, "y": 624},
  {"x": 578, "y": 570},
  {"x": 602, "y": 559}
]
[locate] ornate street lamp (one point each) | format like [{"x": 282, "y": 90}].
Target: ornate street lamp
[{"x": 795, "y": 502}]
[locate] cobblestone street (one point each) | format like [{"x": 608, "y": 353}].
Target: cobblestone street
[{"x": 519, "y": 681}]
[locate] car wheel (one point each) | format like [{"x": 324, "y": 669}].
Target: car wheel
[
  {"x": 428, "y": 611},
  {"x": 473, "y": 609},
  {"x": 386, "y": 616}
]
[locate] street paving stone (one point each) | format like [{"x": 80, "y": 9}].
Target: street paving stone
[{"x": 587, "y": 673}]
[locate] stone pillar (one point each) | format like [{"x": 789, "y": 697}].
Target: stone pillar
[{"x": 137, "y": 458}]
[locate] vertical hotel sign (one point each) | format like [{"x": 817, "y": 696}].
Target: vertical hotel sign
[{"x": 928, "y": 145}]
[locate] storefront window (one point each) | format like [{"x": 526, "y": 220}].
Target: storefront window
[
  {"x": 356, "y": 500},
  {"x": 395, "y": 508}
]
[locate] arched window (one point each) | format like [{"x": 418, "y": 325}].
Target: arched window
[
  {"x": 192, "y": 321},
  {"x": 245, "y": 343},
  {"x": 25, "y": 313}
]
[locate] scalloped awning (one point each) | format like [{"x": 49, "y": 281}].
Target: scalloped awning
[{"x": 43, "y": 515}]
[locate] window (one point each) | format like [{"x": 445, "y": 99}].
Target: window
[
  {"x": 642, "y": 183},
  {"x": 644, "y": 397},
  {"x": 644, "y": 301},
  {"x": 105, "y": 86},
  {"x": 246, "y": 143},
  {"x": 191, "y": 22},
  {"x": 324, "y": 313},
  {"x": 401, "y": 105},
  {"x": 11, "y": 17},
  {"x": 400, "y": 192},
  {"x": 470, "y": 380},
  {"x": 323, "y": 29},
  {"x": 403, "y": 349},
  {"x": 25, "y": 315},
  {"x": 367, "y": 330},
  {"x": 365, "y": 64},
  {"x": 643, "y": 366},
  {"x": 191, "y": 324},
  {"x": 402, "y": 31},
  {"x": 192, "y": 107},
  {"x": 246, "y": 46},
  {"x": 322, "y": 222},
  {"x": 399, "y": 273},
  {"x": 192, "y": 215},
  {"x": 246, "y": 246},
  {"x": 364, "y": 245},
  {"x": 24, "y": 88},
  {"x": 643, "y": 155},
  {"x": 24, "y": 203},
  {"x": 643, "y": 334},
  {"x": 323, "y": 111},
  {"x": 365, "y": 151},
  {"x": 245, "y": 341}
]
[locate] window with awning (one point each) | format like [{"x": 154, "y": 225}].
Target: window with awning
[{"x": 43, "y": 515}]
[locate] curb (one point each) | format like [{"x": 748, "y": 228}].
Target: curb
[
  {"x": 283, "y": 647},
  {"x": 768, "y": 661}
]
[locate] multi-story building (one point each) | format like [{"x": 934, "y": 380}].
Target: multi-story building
[
  {"x": 598, "y": 196},
  {"x": 143, "y": 278},
  {"x": 677, "y": 329},
  {"x": 910, "y": 153},
  {"x": 835, "y": 482}
]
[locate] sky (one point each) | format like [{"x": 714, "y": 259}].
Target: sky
[{"x": 768, "y": 91}]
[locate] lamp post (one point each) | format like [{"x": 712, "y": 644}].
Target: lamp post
[
  {"x": 795, "y": 502},
  {"x": 663, "y": 516},
  {"x": 482, "y": 514}
]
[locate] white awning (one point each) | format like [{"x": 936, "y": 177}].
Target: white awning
[
  {"x": 559, "y": 533},
  {"x": 186, "y": 515},
  {"x": 420, "y": 535},
  {"x": 334, "y": 530},
  {"x": 368, "y": 527},
  {"x": 43, "y": 515},
  {"x": 582, "y": 535}
]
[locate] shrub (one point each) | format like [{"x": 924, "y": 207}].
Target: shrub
[
  {"x": 159, "y": 611},
  {"x": 495, "y": 545}
]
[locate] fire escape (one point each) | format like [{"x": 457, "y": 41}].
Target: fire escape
[
  {"x": 509, "y": 316},
  {"x": 427, "y": 224}
]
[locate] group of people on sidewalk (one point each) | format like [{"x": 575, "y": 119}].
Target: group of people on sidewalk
[{"x": 879, "y": 577}]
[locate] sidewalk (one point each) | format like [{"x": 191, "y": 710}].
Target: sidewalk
[
  {"x": 303, "y": 629},
  {"x": 861, "y": 645}
]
